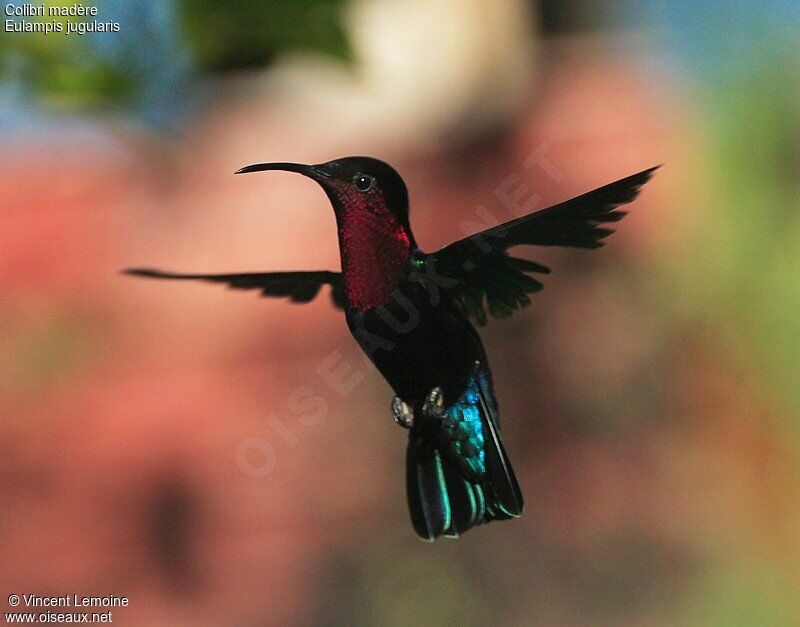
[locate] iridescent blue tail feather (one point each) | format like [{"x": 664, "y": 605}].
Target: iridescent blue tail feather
[{"x": 458, "y": 473}]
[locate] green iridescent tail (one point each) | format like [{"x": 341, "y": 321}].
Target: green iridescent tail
[{"x": 458, "y": 474}]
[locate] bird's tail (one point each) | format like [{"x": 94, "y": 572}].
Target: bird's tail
[
  {"x": 441, "y": 501},
  {"x": 445, "y": 498}
]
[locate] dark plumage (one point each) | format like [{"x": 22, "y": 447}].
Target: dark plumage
[{"x": 410, "y": 312}]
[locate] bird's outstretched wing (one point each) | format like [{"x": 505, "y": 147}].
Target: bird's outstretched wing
[
  {"x": 478, "y": 272},
  {"x": 299, "y": 287}
]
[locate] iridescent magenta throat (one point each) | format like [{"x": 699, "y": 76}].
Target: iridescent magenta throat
[{"x": 375, "y": 248}]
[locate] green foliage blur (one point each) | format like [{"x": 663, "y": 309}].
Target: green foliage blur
[
  {"x": 75, "y": 73},
  {"x": 741, "y": 267},
  {"x": 227, "y": 36},
  {"x": 58, "y": 71}
]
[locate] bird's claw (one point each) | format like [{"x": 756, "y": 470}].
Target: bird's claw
[
  {"x": 402, "y": 413},
  {"x": 433, "y": 407}
]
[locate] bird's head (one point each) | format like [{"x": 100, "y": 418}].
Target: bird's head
[
  {"x": 370, "y": 201},
  {"x": 353, "y": 184}
]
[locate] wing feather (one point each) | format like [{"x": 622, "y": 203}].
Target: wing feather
[
  {"x": 482, "y": 277},
  {"x": 299, "y": 287}
]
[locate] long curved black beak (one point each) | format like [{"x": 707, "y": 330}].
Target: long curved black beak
[{"x": 311, "y": 171}]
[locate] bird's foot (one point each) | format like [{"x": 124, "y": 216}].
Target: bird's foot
[
  {"x": 433, "y": 407},
  {"x": 402, "y": 413}
]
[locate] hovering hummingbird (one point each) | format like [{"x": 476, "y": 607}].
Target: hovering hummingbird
[{"x": 411, "y": 312}]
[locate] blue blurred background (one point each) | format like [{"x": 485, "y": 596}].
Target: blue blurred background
[{"x": 152, "y": 442}]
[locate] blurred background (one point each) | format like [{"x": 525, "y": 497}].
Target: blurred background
[{"x": 154, "y": 443}]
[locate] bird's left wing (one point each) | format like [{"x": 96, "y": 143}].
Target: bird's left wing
[
  {"x": 299, "y": 287},
  {"x": 479, "y": 274}
]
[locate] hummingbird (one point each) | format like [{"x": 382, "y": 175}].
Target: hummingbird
[{"x": 414, "y": 315}]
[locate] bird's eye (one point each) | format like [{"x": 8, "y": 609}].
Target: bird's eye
[{"x": 363, "y": 182}]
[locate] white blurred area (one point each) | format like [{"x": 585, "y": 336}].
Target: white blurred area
[{"x": 424, "y": 70}]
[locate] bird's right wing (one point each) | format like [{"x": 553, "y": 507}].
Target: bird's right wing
[
  {"x": 481, "y": 275},
  {"x": 299, "y": 287}
]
